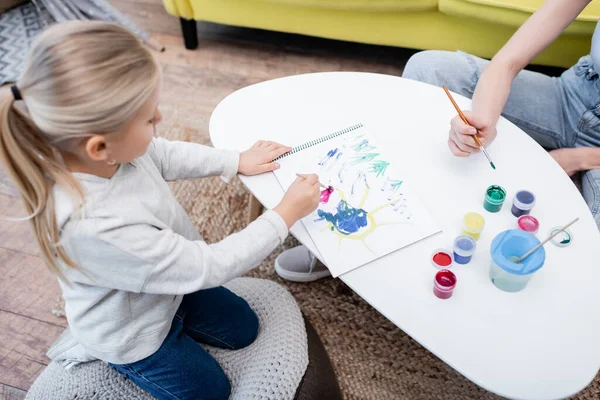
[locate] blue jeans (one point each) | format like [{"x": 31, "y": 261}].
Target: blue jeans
[
  {"x": 181, "y": 369},
  {"x": 556, "y": 112}
]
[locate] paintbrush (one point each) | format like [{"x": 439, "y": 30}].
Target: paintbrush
[
  {"x": 323, "y": 186},
  {"x": 530, "y": 252},
  {"x": 462, "y": 116}
]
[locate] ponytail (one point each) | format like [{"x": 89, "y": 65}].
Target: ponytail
[
  {"x": 80, "y": 78},
  {"x": 35, "y": 166}
]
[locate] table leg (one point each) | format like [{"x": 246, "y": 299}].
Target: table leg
[{"x": 255, "y": 209}]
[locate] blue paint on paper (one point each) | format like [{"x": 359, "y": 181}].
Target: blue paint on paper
[
  {"x": 363, "y": 146},
  {"x": 347, "y": 219},
  {"x": 396, "y": 185},
  {"x": 330, "y": 154},
  {"x": 359, "y": 176}
]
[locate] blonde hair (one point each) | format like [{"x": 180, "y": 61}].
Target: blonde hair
[{"x": 80, "y": 79}]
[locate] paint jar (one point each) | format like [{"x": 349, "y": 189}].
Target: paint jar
[
  {"x": 506, "y": 248},
  {"x": 444, "y": 283},
  {"x": 442, "y": 258},
  {"x": 523, "y": 202},
  {"x": 528, "y": 223},
  {"x": 464, "y": 247},
  {"x": 473, "y": 224},
  {"x": 494, "y": 198}
]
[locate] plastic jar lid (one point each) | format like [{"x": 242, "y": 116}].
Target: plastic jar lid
[
  {"x": 524, "y": 200},
  {"x": 563, "y": 239},
  {"x": 528, "y": 223},
  {"x": 464, "y": 245},
  {"x": 442, "y": 258},
  {"x": 473, "y": 222}
]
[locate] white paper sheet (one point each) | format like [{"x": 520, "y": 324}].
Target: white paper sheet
[{"x": 371, "y": 212}]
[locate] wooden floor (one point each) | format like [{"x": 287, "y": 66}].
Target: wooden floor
[{"x": 195, "y": 81}]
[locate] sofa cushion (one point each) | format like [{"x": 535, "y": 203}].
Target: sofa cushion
[
  {"x": 364, "y": 5},
  {"x": 515, "y": 12}
]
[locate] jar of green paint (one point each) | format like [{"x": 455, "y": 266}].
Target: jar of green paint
[{"x": 494, "y": 198}]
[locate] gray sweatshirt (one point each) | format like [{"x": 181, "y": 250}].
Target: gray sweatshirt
[{"x": 138, "y": 252}]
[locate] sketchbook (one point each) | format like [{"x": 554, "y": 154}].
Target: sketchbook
[{"x": 371, "y": 211}]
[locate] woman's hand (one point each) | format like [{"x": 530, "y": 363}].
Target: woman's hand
[
  {"x": 571, "y": 160},
  {"x": 493, "y": 86},
  {"x": 259, "y": 158},
  {"x": 460, "y": 140}
]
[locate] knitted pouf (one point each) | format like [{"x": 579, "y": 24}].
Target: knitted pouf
[{"x": 270, "y": 368}]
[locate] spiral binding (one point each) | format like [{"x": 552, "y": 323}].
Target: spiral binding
[{"x": 320, "y": 140}]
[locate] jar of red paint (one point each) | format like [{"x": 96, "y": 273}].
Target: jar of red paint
[
  {"x": 444, "y": 283},
  {"x": 442, "y": 258}
]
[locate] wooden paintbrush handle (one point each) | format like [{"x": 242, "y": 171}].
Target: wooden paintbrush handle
[
  {"x": 462, "y": 116},
  {"x": 305, "y": 176}
]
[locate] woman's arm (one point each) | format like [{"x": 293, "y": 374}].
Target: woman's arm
[
  {"x": 541, "y": 29},
  {"x": 493, "y": 88}
]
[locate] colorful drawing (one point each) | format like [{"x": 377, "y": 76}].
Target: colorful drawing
[
  {"x": 349, "y": 222},
  {"x": 355, "y": 217},
  {"x": 370, "y": 213}
]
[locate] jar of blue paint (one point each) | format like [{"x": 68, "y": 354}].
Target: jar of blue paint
[
  {"x": 523, "y": 202},
  {"x": 464, "y": 247},
  {"x": 506, "y": 248}
]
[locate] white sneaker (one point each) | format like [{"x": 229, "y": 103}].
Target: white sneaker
[{"x": 299, "y": 265}]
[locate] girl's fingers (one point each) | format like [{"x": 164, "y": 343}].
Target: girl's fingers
[
  {"x": 273, "y": 154},
  {"x": 313, "y": 179},
  {"x": 268, "y": 167}
]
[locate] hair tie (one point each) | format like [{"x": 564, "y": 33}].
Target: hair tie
[{"x": 16, "y": 93}]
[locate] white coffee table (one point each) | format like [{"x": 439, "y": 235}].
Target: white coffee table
[{"x": 541, "y": 343}]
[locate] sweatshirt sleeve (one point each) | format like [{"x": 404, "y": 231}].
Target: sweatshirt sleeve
[
  {"x": 183, "y": 160},
  {"x": 146, "y": 259}
]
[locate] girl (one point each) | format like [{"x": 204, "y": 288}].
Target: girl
[
  {"x": 561, "y": 114},
  {"x": 140, "y": 285}
]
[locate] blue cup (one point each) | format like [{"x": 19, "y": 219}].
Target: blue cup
[{"x": 507, "y": 247}]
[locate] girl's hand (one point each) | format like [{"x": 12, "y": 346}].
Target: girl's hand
[
  {"x": 259, "y": 158},
  {"x": 301, "y": 198},
  {"x": 461, "y": 142}
]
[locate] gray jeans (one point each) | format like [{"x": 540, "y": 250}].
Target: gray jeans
[{"x": 556, "y": 112}]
